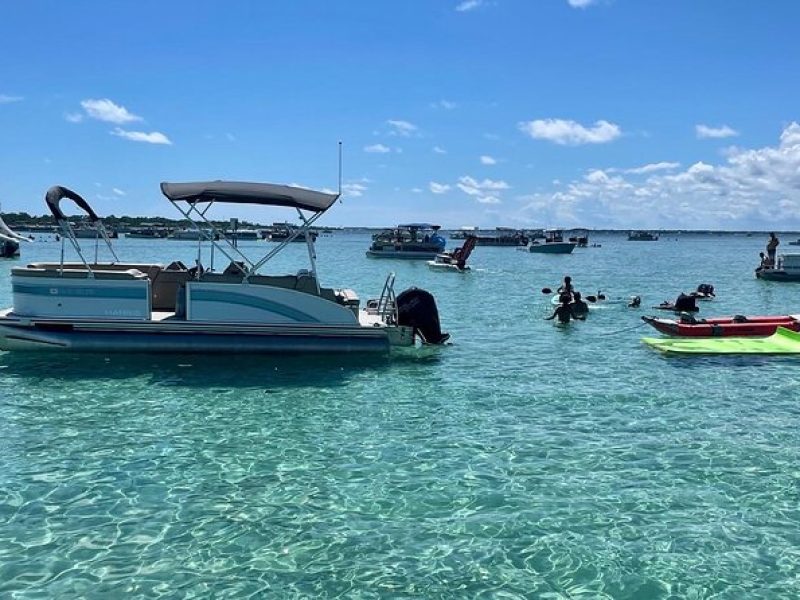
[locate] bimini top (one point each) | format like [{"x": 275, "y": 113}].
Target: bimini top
[{"x": 241, "y": 192}]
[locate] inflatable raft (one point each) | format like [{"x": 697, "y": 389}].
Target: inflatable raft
[
  {"x": 735, "y": 326},
  {"x": 783, "y": 341}
]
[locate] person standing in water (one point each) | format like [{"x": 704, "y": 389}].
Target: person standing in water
[
  {"x": 579, "y": 307},
  {"x": 772, "y": 247},
  {"x": 566, "y": 287},
  {"x": 564, "y": 312}
]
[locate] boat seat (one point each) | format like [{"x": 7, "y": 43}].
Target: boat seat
[
  {"x": 78, "y": 273},
  {"x": 166, "y": 284},
  {"x": 151, "y": 270}
]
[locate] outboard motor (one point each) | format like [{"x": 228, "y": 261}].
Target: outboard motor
[
  {"x": 417, "y": 308},
  {"x": 686, "y": 303}
]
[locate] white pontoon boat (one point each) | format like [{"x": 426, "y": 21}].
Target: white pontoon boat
[{"x": 124, "y": 307}]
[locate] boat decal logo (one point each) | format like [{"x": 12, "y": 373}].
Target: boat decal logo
[
  {"x": 81, "y": 292},
  {"x": 253, "y": 302}
]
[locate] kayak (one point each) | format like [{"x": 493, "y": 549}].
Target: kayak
[
  {"x": 737, "y": 326},
  {"x": 783, "y": 341}
]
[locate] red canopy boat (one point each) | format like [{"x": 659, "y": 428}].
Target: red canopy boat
[{"x": 737, "y": 325}]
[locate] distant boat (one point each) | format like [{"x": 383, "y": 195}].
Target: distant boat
[
  {"x": 416, "y": 241},
  {"x": 642, "y": 236},
  {"x": 192, "y": 235},
  {"x": 552, "y": 243},
  {"x": 90, "y": 233},
  {"x": 504, "y": 236},
  {"x": 280, "y": 232},
  {"x": 787, "y": 268},
  {"x": 794, "y": 243},
  {"x": 146, "y": 233},
  {"x": 581, "y": 241},
  {"x": 463, "y": 232}
]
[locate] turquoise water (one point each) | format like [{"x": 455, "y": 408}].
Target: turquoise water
[{"x": 525, "y": 460}]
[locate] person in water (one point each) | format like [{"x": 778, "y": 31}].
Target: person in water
[
  {"x": 564, "y": 312},
  {"x": 566, "y": 287},
  {"x": 772, "y": 247},
  {"x": 579, "y": 306}
]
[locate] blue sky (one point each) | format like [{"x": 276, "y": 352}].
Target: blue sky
[{"x": 604, "y": 113}]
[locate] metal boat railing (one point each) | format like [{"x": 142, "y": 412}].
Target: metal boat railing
[{"x": 386, "y": 307}]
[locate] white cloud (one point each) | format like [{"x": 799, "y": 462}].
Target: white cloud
[
  {"x": 416, "y": 190},
  {"x": 353, "y": 189},
  {"x": 439, "y": 188},
  {"x": 488, "y": 160},
  {"x": 751, "y": 188},
  {"x": 705, "y": 132},
  {"x": 154, "y": 137},
  {"x": 487, "y": 191},
  {"x": 439, "y": 150},
  {"x": 377, "y": 149},
  {"x": 468, "y": 5},
  {"x": 570, "y": 133},
  {"x": 401, "y": 128},
  {"x": 445, "y": 104},
  {"x": 74, "y": 117},
  {"x": 581, "y": 3},
  {"x": 106, "y": 110},
  {"x": 118, "y": 191},
  {"x": 648, "y": 168},
  {"x": 6, "y": 99}
]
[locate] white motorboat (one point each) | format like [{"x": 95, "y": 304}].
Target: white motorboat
[
  {"x": 455, "y": 261},
  {"x": 127, "y": 307}
]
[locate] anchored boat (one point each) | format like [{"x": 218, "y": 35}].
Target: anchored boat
[
  {"x": 131, "y": 307},
  {"x": 552, "y": 243},
  {"x": 734, "y": 326},
  {"x": 787, "y": 268},
  {"x": 456, "y": 260},
  {"x": 416, "y": 241}
]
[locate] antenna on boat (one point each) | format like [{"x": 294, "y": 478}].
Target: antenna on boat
[{"x": 340, "y": 170}]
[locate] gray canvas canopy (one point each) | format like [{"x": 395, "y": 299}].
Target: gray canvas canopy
[{"x": 240, "y": 192}]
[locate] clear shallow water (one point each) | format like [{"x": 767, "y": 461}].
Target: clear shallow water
[{"x": 525, "y": 460}]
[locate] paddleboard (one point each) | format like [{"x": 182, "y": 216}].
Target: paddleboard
[{"x": 783, "y": 341}]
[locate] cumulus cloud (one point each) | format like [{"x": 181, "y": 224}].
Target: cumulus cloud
[
  {"x": 106, "y": 110},
  {"x": 401, "y": 128},
  {"x": 705, "y": 132},
  {"x": 154, "y": 137},
  {"x": 353, "y": 189},
  {"x": 488, "y": 160},
  {"x": 439, "y": 188},
  {"x": 6, "y": 99},
  {"x": 581, "y": 3},
  {"x": 751, "y": 188},
  {"x": 570, "y": 133},
  {"x": 487, "y": 191},
  {"x": 377, "y": 149},
  {"x": 650, "y": 168},
  {"x": 468, "y": 5},
  {"x": 439, "y": 150},
  {"x": 118, "y": 191}
]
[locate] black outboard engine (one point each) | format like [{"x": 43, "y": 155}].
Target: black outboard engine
[
  {"x": 686, "y": 303},
  {"x": 417, "y": 308}
]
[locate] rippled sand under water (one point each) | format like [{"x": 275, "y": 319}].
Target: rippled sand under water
[{"x": 522, "y": 461}]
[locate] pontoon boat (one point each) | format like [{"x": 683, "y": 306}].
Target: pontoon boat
[{"x": 125, "y": 307}]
